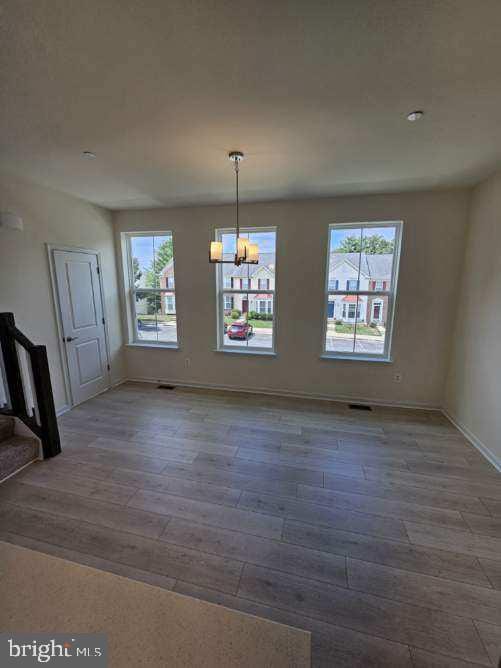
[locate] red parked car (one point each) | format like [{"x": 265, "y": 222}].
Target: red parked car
[{"x": 240, "y": 330}]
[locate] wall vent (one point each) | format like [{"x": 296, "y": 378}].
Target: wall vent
[
  {"x": 360, "y": 407},
  {"x": 166, "y": 387}
]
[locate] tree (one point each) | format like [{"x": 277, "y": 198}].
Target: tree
[
  {"x": 376, "y": 244},
  {"x": 162, "y": 256},
  {"x": 136, "y": 270}
]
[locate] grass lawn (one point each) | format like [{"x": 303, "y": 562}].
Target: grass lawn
[
  {"x": 361, "y": 329},
  {"x": 257, "y": 324}
]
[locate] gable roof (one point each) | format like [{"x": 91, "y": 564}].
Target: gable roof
[
  {"x": 266, "y": 260},
  {"x": 377, "y": 266}
]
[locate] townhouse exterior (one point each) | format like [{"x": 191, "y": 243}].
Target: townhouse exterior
[
  {"x": 354, "y": 271},
  {"x": 348, "y": 272}
]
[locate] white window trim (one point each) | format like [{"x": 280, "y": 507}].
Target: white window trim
[
  {"x": 221, "y": 290},
  {"x": 391, "y": 294},
  {"x": 130, "y": 291}
]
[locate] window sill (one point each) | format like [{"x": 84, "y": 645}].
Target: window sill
[
  {"x": 356, "y": 358},
  {"x": 154, "y": 346},
  {"x": 253, "y": 353}
]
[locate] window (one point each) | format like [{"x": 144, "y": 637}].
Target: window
[
  {"x": 264, "y": 306},
  {"x": 170, "y": 303},
  {"x": 377, "y": 311},
  {"x": 263, "y": 283},
  {"x": 151, "y": 288},
  {"x": 363, "y": 258},
  {"x": 246, "y": 301}
]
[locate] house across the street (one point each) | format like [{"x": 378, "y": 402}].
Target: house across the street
[{"x": 359, "y": 271}]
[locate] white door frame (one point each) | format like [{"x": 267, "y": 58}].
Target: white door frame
[{"x": 59, "y": 321}]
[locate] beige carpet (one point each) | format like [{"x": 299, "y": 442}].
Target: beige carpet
[{"x": 145, "y": 625}]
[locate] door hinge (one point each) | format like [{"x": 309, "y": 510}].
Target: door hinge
[
  {"x": 103, "y": 320},
  {"x": 98, "y": 270},
  {"x": 109, "y": 367}
]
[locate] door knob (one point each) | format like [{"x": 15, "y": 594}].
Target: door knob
[{"x": 70, "y": 338}]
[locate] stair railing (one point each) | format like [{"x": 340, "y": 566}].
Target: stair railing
[{"x": 26, "y": 391}]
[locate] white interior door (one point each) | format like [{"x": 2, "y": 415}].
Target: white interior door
[{"x": 77, "y": 278}]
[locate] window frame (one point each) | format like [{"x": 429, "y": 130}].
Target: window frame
[
  {"x": 131, "y": 291},
  {"x": 221, "y": 291},
  {"x": 391, "y": 293}
]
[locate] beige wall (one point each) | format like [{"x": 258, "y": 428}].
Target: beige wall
[
  {"x": 52, "y": 217},
  {"x": 432, "y": 253},
  {"x": 473, "y": 394}
]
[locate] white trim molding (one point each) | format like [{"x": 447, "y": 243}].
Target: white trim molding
[
  {"x": 286, "y": 393},
  {"x": 474, "y": 440}
]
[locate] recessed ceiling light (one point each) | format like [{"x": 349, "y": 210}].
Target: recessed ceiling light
[
  {"x": 88, "y": 155},
  {"x": 415, "y": 116}
]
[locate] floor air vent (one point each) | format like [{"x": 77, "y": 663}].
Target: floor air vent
[
  {"x": 360, "y": 407},
  {"x": 166, "y": 387}
]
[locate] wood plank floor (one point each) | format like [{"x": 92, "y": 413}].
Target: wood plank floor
[{"x": 380, "y": 532}]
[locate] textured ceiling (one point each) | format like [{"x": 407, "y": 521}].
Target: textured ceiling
[{"x": 314, "y": 92}]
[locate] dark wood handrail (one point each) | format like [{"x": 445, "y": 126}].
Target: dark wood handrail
[
  {"x": 21, "y": 338},
  {"x": 46, "y": 429}
]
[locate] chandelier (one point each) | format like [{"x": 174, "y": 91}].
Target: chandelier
[{"x": 246, "y": 253}]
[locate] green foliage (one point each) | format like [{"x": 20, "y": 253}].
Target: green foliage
[
  {"x": 235, "y": 314},
  {"x": 163, "y": 255},
  {"x": 372, "y": 245},
  {"x": 254, "y": 315},
  {"x": 136, "y": 270},
  {"x": 361, "y": 329}
]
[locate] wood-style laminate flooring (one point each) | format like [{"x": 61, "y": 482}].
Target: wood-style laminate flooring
[{"x": 379, "y": 532}]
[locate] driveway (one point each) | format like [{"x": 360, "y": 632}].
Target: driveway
[
  {"x": 365, "y": 345},
  {"x": 261, "y": 338},
  {"x": 163, "y": 332}
]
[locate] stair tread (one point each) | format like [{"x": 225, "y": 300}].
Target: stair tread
[
  {"x": 6, "y": 427},
  {"x": 15, "y": 452}
]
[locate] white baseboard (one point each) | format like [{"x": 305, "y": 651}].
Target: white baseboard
[
  {"x": 476, "y": 442},
  {"x": 63, "y": 409},
  {"x": 287, "y": 393}
]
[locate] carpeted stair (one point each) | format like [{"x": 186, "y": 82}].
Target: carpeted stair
[{"x": 15, "y": 451}]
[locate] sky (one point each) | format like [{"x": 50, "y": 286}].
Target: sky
[
  {"x": 265, "y": 241},
  {"x": 338, "y": 235},
  {"x": 143, "y": 248}
]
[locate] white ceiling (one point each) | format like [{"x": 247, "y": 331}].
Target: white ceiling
[{"x": 315, "y": 92}]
